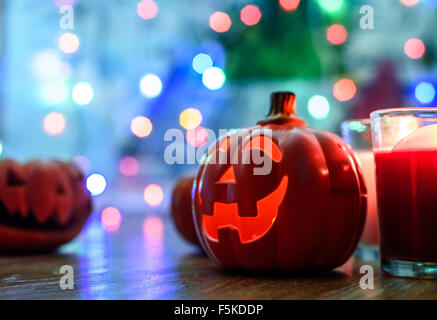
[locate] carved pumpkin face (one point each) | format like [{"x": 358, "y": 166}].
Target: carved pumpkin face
[
  {"x": 308, "y": 212},
  {"x": 229, "y": 206},
  {"x": 42, "y": 204}
]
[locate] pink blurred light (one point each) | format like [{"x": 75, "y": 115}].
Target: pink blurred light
[
  {"x": 220, "y": 22},
  {"x": 336, "y": 34},
  {"x": 409, "y": 3},
  {"x": 129, "y": 166},
  {"x": 414, "y": 48},
  {"x": 197, "y": 137},
  {"x": 250, "y": 15},
  {"x": 153, "y": 228},
  {"x": 289, "y": 5},
  {"x": 147, "y": 9},
  {"x": 111, "y": 219},
  {"x": 61, "y": 3},
  {"x": 68, "y": 42},
  {"x": 153, "y": 194},
  {"x": 54, "y": 123},
  {"x": 344, "y": 89}
]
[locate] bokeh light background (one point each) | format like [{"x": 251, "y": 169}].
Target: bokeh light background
[{"x": 104, "y": 93}]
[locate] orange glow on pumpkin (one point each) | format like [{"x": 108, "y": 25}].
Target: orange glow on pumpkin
[
  {"x": 265, "y": 144},
  {"x": 249, "y": 228},
  {"x": 228, "y": 176},
  {"x": 226, "y": 214}
]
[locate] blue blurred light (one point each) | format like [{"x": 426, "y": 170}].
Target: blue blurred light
[
  {"x": 425, "y": 92},
  {"x": 201, "y": 62},
  {"x": 150, "y": 85},
  {"x": 213, "y": 78},
  {"x": 318, "y": 107},
  {"x": 1, "y": 148},
  {"x": 96, "y": 184}
]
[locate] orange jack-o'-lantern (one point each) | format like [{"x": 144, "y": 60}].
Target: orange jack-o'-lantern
[
  {"x": 42, "y": 204},
  {"x": 307, "y": 211},
  {"x": 181, "y": 209}
]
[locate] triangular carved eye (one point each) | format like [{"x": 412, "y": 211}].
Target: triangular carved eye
[
  {"x": 228, "y": 176},
  {"x": 265, "y": 144},
  {"x": 14, "y": 179}
]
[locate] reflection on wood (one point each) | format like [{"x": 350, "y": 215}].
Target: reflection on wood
[{"x": 146, "y": 259}]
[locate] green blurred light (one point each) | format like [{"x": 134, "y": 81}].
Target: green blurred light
[
  {"x": 330, "y": 5},
  {"x": 1, "y": 148},
  {"x": 357, "y": 126}
]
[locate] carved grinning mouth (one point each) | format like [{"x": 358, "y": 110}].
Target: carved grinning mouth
[
  {"x": 30, "y": 221},
  {"x": 226, "y": 215},
  {"x": 41, "y": 197}
]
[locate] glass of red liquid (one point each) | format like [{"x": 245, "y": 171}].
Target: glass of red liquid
[
  {"x": 405, "y": 149},
  {"x": 358, "y": 134}
]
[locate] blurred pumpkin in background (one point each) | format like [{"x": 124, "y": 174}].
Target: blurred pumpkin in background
[
  {"x": 181, "y": 209},
  {"x": 42, "y": 204}
]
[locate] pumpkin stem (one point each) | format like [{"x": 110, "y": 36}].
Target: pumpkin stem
[
  {"x": 283, "y": 103},
  {"x": 283, "y": 109}
]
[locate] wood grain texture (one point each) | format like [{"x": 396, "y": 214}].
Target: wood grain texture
[{"x": 146, "y": 259}]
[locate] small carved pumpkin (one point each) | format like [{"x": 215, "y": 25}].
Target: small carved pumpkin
[
  {"x": 42, "y": 204},
  {"x": 181, "y": 210},
  {"x": 307, "y": 213}
]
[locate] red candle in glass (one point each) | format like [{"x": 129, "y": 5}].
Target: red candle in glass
[
  {"x": 405, "y": 148},
  {"x": 408, "y": 204}
]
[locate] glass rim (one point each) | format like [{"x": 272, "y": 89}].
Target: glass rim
[{"x": 403, "y": 111}]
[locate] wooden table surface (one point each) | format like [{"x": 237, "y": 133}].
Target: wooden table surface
[{"x": 146, "y": 259}]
